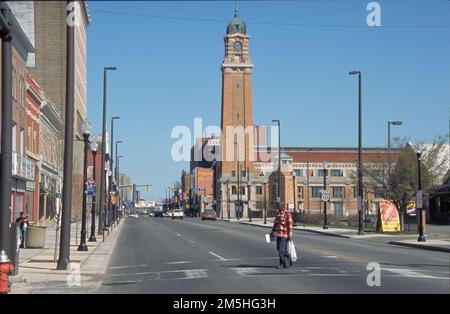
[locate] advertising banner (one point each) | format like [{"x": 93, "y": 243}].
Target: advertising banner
[{"x": 390, "y": 219}]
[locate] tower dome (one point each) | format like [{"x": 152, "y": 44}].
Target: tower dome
[{"x": 236, "y": 26}]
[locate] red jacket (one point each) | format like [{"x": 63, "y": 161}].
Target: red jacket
[{"x": 283, "y": 224}]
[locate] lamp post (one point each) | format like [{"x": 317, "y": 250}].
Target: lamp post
[
  {"x": 111, "y": 206},
  {"x": 389, "y": 141},
  {"x": 360, "y": 178},
  {"x": 265, "y": 200},
  {"x": 103, "y": 176},
  {"x": 228, "y": 198},
  {"x": 419, "y": 196},
  {"x": 278, "y": 184},
  {"x": 325, "y": 219},
  {"x": 116, "y": 178},
  {"x": 6, "y": 130},
  {"x": 86, "y": 131},
  {"x": 119, "y": 199},
  {"x": 64, "y": 243},
  {"x": 294, "y": 190},
  {"x": 94, "y": 147}
]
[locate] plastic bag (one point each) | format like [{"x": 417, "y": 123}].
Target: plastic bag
[{"x": 291, "y": 251}]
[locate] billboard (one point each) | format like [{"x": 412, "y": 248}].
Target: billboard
[{"x": 390, "y": 219}]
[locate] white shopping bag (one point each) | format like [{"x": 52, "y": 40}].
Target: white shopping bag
[
  {"x": 268, "y": 238},
  {"x": 291, "y": 250}
]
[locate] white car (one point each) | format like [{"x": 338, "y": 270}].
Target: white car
[{"x": 177, "y": 213}]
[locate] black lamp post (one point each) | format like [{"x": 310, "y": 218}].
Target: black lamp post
[
  {"x": 103, "y": 175},
  {"x": 360, "y": 177},
  {"x": 278, "y": 184},
  {"x": 94, "y": 147},
  {"x": 86, "y": 130},
  {"x": 111, "y": 206},
  {"x": 389, "y": 140},
  {"x": 325, "y": 219},
  {"x": 419, "y": 198},
  {"x": 265, "y": 200}
]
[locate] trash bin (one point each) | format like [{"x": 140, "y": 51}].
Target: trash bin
[{"x": 35, "y": 237}]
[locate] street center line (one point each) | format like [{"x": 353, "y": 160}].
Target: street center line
[
  {"x": 181, "y": 262},
  {"x": 218, "y": 256}
]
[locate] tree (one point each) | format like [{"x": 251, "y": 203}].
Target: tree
[{"x": 398, "y": 182}]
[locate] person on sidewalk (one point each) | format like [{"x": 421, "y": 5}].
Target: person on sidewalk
[
  {"x": 282, "y": 229},
  {"x": 23, "y": 221}
]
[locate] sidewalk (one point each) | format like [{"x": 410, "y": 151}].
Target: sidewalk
[
  {"x": 331, "y": 231},
  {"x": 37, "y": 268},
  {"x": 435, "y": 242}
]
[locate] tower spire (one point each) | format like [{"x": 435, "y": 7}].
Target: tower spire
[{"x": 236, "y": 10}]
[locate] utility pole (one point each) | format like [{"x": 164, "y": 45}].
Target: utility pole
[
  {"x": 64, "y": 245},
  {"x": 6, "y": 128}
]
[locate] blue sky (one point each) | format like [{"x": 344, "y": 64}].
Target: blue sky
[{"x": 169, "y": 54}]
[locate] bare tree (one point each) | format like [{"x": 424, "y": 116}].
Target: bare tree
[{"x": 398, "y": 183}]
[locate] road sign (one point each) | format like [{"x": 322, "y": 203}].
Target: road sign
[
  {"x": 325, "y": 196},
  {"x": 419, "y": 200},
  {"x": 196, "y": 189},
  {"x": 90, "y": 188}
]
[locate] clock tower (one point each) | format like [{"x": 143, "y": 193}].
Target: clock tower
[
  {"x": 237, "y": 101},
  {"x": 237, "y": 172}
]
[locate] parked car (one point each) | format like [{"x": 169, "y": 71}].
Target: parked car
[
  {"x": 177, "y": 213},
  {"x": 210, "y": 214},
  {"x": 158, "y": 213}
]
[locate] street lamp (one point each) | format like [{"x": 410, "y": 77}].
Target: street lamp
[
  {"x": 103, "y": 176},
  {"x": 419, "y": 198},
  {"x": 112, "y": 207},
  {"x": 396, "y": 123},
  {"x": 115, "y": 176},
  {"x": 93, "y": 147},
  {"x": 86, "y": 131},
  {"x": 119, "y": 199},
  {"x": 360, "y": 189},
  {"x": 325, "y": 219},
  {"x": 278, "y": 184},
  {"x": 294, "y": 191},
  {"x": 265, "y": 199}
]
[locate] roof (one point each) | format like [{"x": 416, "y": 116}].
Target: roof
[
  {"x": 333, "y": 154},
  {"x": 236, "y": 26}
]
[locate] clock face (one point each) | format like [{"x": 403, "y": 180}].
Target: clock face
[{"x": 237, "y": 45}]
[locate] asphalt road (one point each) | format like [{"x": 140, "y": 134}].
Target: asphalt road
[{"x": 160, "y": 255}]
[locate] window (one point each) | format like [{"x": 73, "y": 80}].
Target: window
[
  {"x": 14, "y": 138},
  {"x": 259, "y": 204},
  {"x": 338, "y": 209},
  {"x": 258, "y": 190},
  {"x": 233, "y": 173},
  {"x": 300, "y": 192},
  {"x": 338, "y": 192},
  {"x": 320, "y": 172},
  {"x": 379, "y": 194},
  {"x": 243, "y": 173},
  {"x": 337, "y": 173},
  {"x": 21, "y": 142},
  {"x": 299, "y": 173},
  {"x": 233, "y": 190},
  {"x": 315, "y": 191},
  {"x": 242, "y": 190}
]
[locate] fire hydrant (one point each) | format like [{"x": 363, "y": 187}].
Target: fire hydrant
[{"x": 6, "y": 267}]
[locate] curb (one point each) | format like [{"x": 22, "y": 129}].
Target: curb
[
  {"x": 423, "y": 247},
  {"x": 307, "y": 230}
]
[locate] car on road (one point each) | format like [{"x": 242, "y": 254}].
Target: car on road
[
  {"x": 178, "y": 213},
  {"x": 158, "y": 213},
  {"x": 210, "y": 214}
]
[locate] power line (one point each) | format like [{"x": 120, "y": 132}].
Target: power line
[{"x": 196, "y": 19}]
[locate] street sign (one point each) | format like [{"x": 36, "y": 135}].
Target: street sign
[
  {"x": 90, "y": 188},
  {"x": 419, "y": 200},
  {"x": 196, "y": 189},
  {"x": 325, "y": 196}
]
